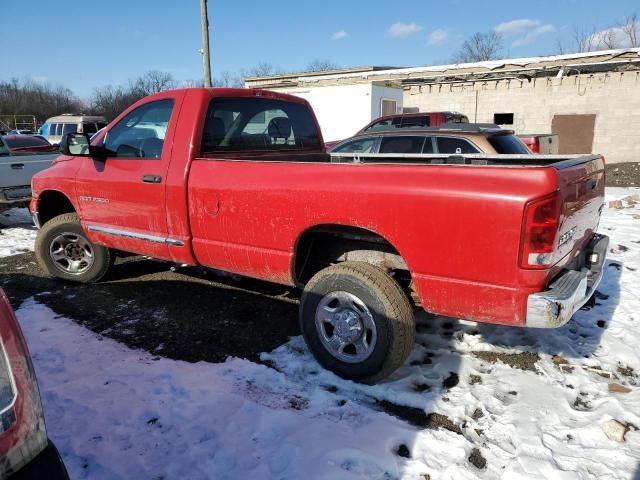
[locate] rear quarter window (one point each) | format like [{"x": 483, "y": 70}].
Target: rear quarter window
[
  {"x": 403, "y": 144},
  {"x": 508, "y": 144}
]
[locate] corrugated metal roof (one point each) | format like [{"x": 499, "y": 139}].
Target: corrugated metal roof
[{"x": 503, "y": 65}]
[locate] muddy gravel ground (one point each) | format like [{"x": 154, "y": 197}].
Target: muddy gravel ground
[
  {"x": 623, "y": 174},
  {"x": 180, "y": 313}
]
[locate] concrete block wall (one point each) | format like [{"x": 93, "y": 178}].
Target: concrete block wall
[{"x": 614, "y": 97}]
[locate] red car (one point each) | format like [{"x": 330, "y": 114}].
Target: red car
[
  {"x": 422, "y": 119},
  {"x": 25, "y": 451},
  {"x": 239, "y": 180}
]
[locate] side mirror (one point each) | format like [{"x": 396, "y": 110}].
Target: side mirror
[{"x": 77, "y": 144}]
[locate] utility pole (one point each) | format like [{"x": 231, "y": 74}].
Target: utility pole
[{"x": 206, "y": 62}]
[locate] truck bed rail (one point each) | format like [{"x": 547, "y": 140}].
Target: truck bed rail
[{"x": 502, "y": 160}]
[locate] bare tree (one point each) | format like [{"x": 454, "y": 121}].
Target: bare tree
[
  {"x": 152, "y": 82},
  {"x": 479, "y": 48},
  {"x": 585, "y": 40},
  {"x": 320, "y": 65},
  {"x": 228, "y": 79},
  {"x": 111, "y": 100},
  {"x": 630, "y": 29},
  {"x": 607, "y": 39},
  {"x": 262, "y": 69}
]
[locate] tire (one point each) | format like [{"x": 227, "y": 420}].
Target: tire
[
  {"x": 359, "y": 303},
  {"x": 62, "y": 242}
]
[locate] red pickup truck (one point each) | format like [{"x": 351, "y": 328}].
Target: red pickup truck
[{"x": 239, "y": 180}]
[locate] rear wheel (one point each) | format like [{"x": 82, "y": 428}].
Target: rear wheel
[
  {"x": 357, "y": 321},
  {"x": 64, "y": 251}
]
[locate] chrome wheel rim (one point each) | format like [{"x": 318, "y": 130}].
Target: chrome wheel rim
[
  {"x": 71, "y": 253},
  {"x": 346, "y": 327}
]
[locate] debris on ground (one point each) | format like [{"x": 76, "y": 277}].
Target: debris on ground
[{"x": 615, "y": 430}]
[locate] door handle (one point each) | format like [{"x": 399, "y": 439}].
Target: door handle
[
  {"x": 17, "y": 166},
  {"x": 151, "y": 178},
  {"x": 591, "y": 184}
]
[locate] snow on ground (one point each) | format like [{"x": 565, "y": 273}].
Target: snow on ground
[
  {"x": 17, "y": 233},
  {"x": 120, "y": 413}
]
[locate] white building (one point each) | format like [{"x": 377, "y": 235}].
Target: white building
[{"x": 591, "y": 100}]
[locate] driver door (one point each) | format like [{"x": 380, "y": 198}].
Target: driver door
[{"x": 122, "y": 196}]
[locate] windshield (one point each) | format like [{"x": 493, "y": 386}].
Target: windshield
[{"x": 508, "y": 144}]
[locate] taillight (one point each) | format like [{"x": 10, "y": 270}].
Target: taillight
[
  {"x": 22, "y": 431},
  {"x": 539, "y": 232}
]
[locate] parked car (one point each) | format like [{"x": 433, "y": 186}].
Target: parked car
[
  {"x": 409, "y": 120},
  {"x": 238, "y": 180},
  {"x": 21, "y": 156},
  {"x": 25, "y": 451},
  {"x": 546, "y": 143},
  {"x": 56, "y": 127},
  {"x": 21, "y": 132},
  {"x": 450, "y": 139}
]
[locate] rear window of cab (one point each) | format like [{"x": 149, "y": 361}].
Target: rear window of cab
[{"x": 258, "y": 124}]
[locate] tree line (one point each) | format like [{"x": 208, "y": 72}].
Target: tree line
[{"x": 44, "y": 100}]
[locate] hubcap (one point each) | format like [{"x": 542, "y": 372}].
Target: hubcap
[
  {"x": 71, "y": 253},
  {"x": 346, "y": 327}
]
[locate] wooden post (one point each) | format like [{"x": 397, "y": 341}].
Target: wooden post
[{"x": 206, "y": 62}]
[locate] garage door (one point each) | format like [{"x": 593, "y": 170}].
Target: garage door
[{"x": 575, "y": 132}]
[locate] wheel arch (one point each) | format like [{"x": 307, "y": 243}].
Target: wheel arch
[
  {"x": 52, "y": 203},
  {"x": 324, "y": 244}
]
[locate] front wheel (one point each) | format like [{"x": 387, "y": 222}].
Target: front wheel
[
  {"x": 64, "y": 251},
  {"x": 357, "y": 321}
]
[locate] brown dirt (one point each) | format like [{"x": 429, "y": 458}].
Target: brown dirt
[
  {"x": 623, "y": 174},
  {"x": 522, "y": 361}
]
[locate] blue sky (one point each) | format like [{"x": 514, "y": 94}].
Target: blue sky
[{"x": 83, "y": 45}]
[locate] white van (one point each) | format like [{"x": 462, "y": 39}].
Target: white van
[{"x": 57, "y": 127}]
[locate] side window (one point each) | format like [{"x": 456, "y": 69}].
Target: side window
[
  {"x": 455, "y": 145},
  {"x": 404, "y": 144},
  {"x": 428, "y": 145},
  {"x": 89, "y": 128},
  {"x": 68, "y": 128},
  {"x": 140, "y": 134},
  {"x": 52, "y": 129},
  {"x": 258, "y": 124},
  {"x": 364, "y": 145}
]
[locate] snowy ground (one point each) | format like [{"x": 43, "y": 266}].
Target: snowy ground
[
  {"x": 121, "y": 413},
  {"x": 17, "y": 232}
]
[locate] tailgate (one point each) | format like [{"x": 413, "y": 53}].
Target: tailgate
[
  {"x": 581, "y": 187},
  {"x": 17, "y": 170}
]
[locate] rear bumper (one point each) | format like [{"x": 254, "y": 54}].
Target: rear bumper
[{"x": 554, "y": 307}]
